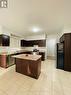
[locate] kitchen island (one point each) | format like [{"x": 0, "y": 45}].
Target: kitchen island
[{"x": 28, "y": 64}]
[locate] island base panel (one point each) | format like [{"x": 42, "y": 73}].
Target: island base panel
[{"x": 28, "y": 67}]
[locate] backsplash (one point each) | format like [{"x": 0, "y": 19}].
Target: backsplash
[
  {"x": 31, "y": 48},
  {"x": 8, "y": 49}
]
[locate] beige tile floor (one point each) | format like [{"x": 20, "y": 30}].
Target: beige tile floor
[{"x": 52, "y": 81}]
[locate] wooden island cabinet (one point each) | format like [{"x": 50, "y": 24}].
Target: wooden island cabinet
[{"x": 28, "y": 64}]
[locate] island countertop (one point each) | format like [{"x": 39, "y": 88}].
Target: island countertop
[{"x": 28, "y": 56}]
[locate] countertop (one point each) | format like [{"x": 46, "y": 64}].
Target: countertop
[
  {"x": 28, "y": 56},
  {"x": 14, "y": 52}
]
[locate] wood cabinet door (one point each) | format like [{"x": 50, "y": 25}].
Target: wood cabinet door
[
  {"x": 24, "y": 67},
  {"x": 18, "y": 65},
  {"x": 5, "y": 40},
  {"x": 3, "y": 61},
  {"x": 21, "y": 66},
  {"x": 40, "y": 43},
  {"x": 33, "y": 68}
]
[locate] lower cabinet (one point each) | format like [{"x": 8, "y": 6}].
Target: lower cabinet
[
  {"x": 42, "y": 55},
  {"x": 3, "y": 61},
  {"x": 8, "y": 60}
]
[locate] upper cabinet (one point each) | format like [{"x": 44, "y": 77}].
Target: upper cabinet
[
  {"x": 30, "y": 43},
  {"x": 4, "y": 40}
]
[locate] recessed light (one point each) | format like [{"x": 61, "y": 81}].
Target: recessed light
[{"x": 35, "y": 29}]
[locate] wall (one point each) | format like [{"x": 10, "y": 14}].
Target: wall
[
  {"x": 6, "y": 31},
  {"x": 51, "y": 44},
  {"x": 35, "y": 37},
  {"x": 0, "y": 29},
  {"x": 66, "y": 30},
  {"x": 15, "y": 41}
]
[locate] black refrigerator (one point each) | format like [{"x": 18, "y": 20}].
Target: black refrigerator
[{"x": 60, "y": 56}]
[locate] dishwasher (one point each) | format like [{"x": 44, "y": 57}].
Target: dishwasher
[{"x": 9, "y": 60}]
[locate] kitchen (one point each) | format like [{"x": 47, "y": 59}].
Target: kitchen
[
  {"x": 35, "y": 42},
  {"x": 8, "y": 49}
]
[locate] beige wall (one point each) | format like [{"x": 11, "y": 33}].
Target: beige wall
[
  {"x": 35, "y": 37},
  {"x": 0, "y": 29},
  {"x": 14, "y": 42},
  {"x": 51, "y": 44},
  {"x": 66, "y": 30}
]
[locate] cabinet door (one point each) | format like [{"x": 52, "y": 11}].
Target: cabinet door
[
  {"x": 18, "y": 65},
  {"x": 5, "y": 40},
  {"x": 35, "y": 68},
  {"x": 3, "y": 61},
  {"x": 23, "y": 43},
  {"x": 21, "y": 66},
  {"x": 24, "y": 67},
  {"x": 0, "y": 40},
  {"x": 29, "y": 43},
  {"x": 40, "y": 43}
]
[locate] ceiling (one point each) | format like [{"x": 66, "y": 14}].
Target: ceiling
[{"x": 48, "y": 15}]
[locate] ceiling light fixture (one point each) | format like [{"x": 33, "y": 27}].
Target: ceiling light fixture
[{"x": 35, "y": 29}]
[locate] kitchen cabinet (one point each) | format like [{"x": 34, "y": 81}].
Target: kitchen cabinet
[
  {"x": 4, "y": 40},
  {"x": 66, "y": 56},
  {"x": 30, "y": 43},
  {"x": 28, "y": 65},
  {"x": 42, "y": 55},
  {"x": 25, "y": 43},
  {"x": 27, "y": 52}
]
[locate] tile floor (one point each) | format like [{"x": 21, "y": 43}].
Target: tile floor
[{"x": 52, "y": 81}]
